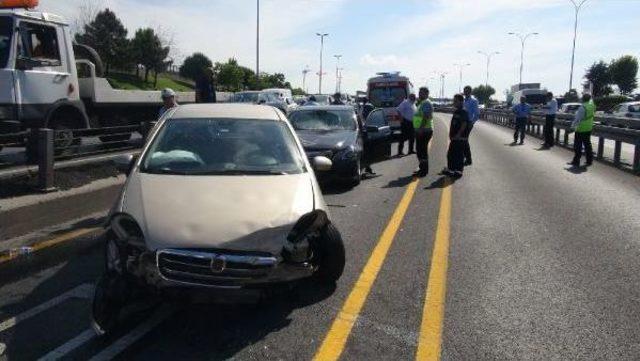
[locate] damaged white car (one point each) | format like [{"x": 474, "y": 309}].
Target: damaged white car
[{"x": 221, "y": 197}]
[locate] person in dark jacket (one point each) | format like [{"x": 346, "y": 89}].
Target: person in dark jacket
[
  {"x": 205, "y": 87},
  {"x": 458, "y": 135}
]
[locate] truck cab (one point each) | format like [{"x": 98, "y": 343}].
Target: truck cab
[{"x": 37, "y": 73}]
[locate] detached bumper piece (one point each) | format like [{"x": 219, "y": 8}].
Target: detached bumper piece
[{"x": 225, "y": 269}]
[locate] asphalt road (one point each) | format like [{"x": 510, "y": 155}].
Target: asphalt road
[{"x": 522, "y": 258}]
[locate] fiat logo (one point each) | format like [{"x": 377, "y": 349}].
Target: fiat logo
[{"x": 218, "y": 263}]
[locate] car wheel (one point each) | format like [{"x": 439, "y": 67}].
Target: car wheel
[
  {"x": 355, "y": 181},
  {"x": 330, "y": 255},
  {"x": 110, "y": 296}
]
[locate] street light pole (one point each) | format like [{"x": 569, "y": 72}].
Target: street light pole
[
  {"x": 320, "y": 73},
  {"x": 461, "y": 66},
  {"x": 577, "y": 7},
  {"x": 441, "y": 75},
  {"x": 340, "y": 79},
  {"x": 488, "y": 55},
  {"x": 257, "y": 42},
  {"x": 337, "y": 71},
  {"x": 523, "y": 38},
  {"x": 304, "y": 78}
]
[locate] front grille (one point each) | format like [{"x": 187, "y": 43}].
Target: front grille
[{"x": 203, "y": 267}]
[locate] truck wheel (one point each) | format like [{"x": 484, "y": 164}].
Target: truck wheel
[
  {"x": 330, "y": 255},
  {"x": 63, "y": 124}
]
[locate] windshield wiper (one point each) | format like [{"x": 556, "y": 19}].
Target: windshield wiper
[
  {"x": 166, "y": 171},
  {"x": 239, "y": 172}
]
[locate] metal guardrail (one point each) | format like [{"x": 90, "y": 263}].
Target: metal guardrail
[
  {"x": 48, "y": 150},
  {"x": 619, "y": 130}
]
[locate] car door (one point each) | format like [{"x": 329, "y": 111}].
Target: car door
[
  {"x": 377, "y": 136},
  {"x": 42, "y": 75}
]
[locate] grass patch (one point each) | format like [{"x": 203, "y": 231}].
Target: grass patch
[{"x": 131, "y": 82}]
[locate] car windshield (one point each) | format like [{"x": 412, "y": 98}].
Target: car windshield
[
  {"x": 322, "y": 119},
  {"x": 5, "y": 40},
  {"x": 385, "y": 97},
  {"x": 223, "y": 146},
  {"x": 253, "y": 97}
]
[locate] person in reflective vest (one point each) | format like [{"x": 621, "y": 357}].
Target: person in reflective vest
[
  {"x": 583, "y": 125},
  {"x": 423, "y": 125}
]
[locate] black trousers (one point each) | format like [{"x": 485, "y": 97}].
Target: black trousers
[
  {"x": 521, "y": 127},
  {"x": 582, "y": 139},
  {"x": 408, "y": 134},
  {"x": 548, "y": 130},
  {"x": 455, "y": 155},
  {"x": 467, "y": 148},
  {"x": 423, "y": 136}
]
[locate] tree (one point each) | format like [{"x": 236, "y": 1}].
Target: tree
[
  {"x": 148, "y": 50},
  {"x": 298, "y": 91},
  {"x": 192, "y": 66},
  {"x": 229, "y": 75},
  {"x": 108, "y": 37},
  {"x": 624, "y": 71},
  {"x": 483, "y": 93},
  {"x": 600, "y": 77},
  {"x": 571, "y": 96}
]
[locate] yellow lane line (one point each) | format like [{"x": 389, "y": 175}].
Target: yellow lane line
[
  {"x": 336, "y": 338},
  {"x": 13, "y": 254},
  {"x": 429, "y": 342}
]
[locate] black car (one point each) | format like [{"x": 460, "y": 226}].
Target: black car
[{"x": 336, "y": 133}]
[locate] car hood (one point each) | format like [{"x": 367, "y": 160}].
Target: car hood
[
  {"x": 337, "y": 139},
  {"x": 242, "y": 213}
]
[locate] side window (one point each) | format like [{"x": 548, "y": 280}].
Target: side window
[
  {"x": 376, "y": 118},
  {"x": 39, "y": 42}
]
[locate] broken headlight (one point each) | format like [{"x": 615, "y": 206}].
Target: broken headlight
[
  {"x": 304, "y": 232},
  {"x": 127, "y": 230}
]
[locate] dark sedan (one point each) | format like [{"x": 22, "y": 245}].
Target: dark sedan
[{"x": 334, "y": 132}]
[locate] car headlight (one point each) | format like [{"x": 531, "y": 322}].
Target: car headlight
[
  {"x": 298, "y": 246},
  {"x": 348, "y": 153},
  {"x": 127, "y": 230},
  {"x": 7, "y": 112}
]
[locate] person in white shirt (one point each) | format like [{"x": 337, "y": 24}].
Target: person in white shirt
[
  {"x": 407, "y": 109},
  {"x": 550, "y": 110}
]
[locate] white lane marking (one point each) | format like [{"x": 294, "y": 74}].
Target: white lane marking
[
  {"x": 127, "y": 340},
  {"x": 84, "y": 291},
  {"x": 69, "y": 346}
]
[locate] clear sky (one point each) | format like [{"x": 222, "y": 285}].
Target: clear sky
[{"x": 416, "y": 37}]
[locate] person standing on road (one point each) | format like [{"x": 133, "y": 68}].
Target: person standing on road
[
  {"x": 337, "y": 99},
  {"x": 423, "y": 126},
  {"x": 205, "y": 87},
  {"x": 367, "y": 108},
  {"x": 407, "y": 109},
  {"x": 473, "y": 111},
  {"x": 583, "y": 125},
  {"x": 458, "y": 138},
  {"x": 168, "y": 101},
  {"x": 550, "y": 110},
  {"x": 522, "y": 111}
]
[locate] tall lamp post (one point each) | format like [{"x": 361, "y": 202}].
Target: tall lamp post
[
  {"x": 523, "y": 39},
  {"x": 441, "y": 75},
  {"x": 257, "y": 41},
  {"x": 305, "y": 71},
  {"x": 460, "y": 67},
  {"x": 320, "y": 72},
  {"x": 337, "y": 72},
  {"x": 340, "y": 79},
  {"x": 488, "y": 55},
  {"x": 577, "y": 6}
]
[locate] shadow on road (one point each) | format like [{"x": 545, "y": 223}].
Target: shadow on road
[
  {"x": 441, "y": 182},
  {"x": 400, "y": 182}
]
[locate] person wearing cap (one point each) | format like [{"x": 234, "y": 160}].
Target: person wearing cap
[
  {"x": 522, "y": 112},
  {"x": 205, "y": 87},
  {"x": 168, "y": 101}
]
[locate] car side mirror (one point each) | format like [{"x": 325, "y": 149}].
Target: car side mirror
[
  {"x": 124, "y": 163},
  {"x": 321, "y": 164}
]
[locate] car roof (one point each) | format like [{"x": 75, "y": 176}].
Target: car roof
[
  {"x": 325, "y": 107},
  {"x": 227, "y": 111}
]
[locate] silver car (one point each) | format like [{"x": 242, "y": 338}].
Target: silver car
[{"x": 221, "y": 197}]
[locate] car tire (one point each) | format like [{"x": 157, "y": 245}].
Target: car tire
[
  {"x": 330, "y": 255},
  {"x": 357, "y": 178},
  {"x": 110, "y": 296}
]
